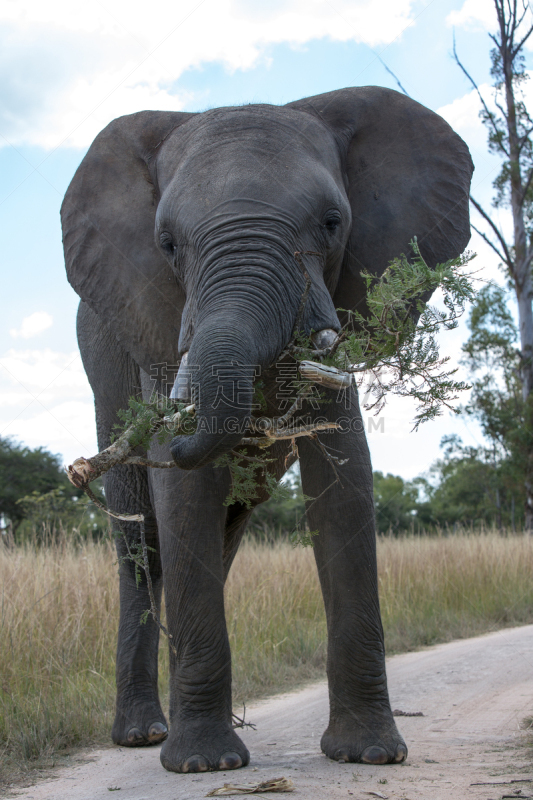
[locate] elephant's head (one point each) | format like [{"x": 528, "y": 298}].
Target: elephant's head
[{"x": 232, "y": 195}]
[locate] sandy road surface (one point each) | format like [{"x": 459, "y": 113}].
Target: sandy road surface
[{"x": 473, "y": 694}]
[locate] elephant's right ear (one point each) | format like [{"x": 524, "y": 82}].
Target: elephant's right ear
[{"x": 108, "y": 218}]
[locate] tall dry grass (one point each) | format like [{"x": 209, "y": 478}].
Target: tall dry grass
[{"x": 59, "y": 609}]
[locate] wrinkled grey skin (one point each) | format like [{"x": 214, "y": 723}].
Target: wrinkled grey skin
[{"x": 180, "y": 232}]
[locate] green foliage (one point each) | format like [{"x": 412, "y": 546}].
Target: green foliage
[
  {"x": 46, "y": 514},
  {"x": 52, "y": 508},
  {"x": 396, "y": 339},
  {"x": 497, "y": 403},
  {"x": 283, "y": 512},
  {"x": 468, "y": 487},
  {"x": 473, "y": 485},
  {"x": 142, "y": 419},
  {"x": 493, "y": 334},
  {"x": 494, "y": 362},
  {"x": 248, "y": 476},
  {"x": 302, "y": 538},
  {"x": 395, "y": 500},
  {"x": 244, "y": 485},
  {"x": 283, "y": 515},
  {"x": 24, "y": 471},
  {"x": 480, "y": 485}
]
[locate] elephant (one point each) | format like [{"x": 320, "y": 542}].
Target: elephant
[{"x": 181, "y": 232}]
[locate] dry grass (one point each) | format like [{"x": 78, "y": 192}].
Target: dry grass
[{"x": 58, "y": 621}]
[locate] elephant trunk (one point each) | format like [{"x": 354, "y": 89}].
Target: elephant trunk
[
  {"x": 222, "y": 366},
  {"x": 243, "y": 318}
]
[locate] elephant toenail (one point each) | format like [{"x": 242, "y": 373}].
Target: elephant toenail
[
  {"x": 341, "y": 756},
  {"x": 230, "y": 761},
  {"x": 401, "y": 753},
  {"x": 157, "y": 732},
  {"x": 135, "y": 736},
  {"x": 195, "y": 764},
  {"x": 374, "y": 755}
]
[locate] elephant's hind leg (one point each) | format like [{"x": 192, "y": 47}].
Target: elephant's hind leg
[{"x": 113, "y": 376}]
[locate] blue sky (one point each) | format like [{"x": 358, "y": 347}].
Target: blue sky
[{"x": 66, "y": 69}]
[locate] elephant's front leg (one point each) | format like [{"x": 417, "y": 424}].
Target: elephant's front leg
[
  {"x": 139, "y": 719},
  {"x": 361, "y": 726},
  {"x": 191, "y": 520}
]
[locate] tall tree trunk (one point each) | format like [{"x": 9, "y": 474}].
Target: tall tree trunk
[
  {"x": 520, "y": 268},
  {"x": 510, "y": 129}
]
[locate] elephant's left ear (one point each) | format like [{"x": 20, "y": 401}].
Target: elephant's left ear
[{"x": 407, "y": 174}]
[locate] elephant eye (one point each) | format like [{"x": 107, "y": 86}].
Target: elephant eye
[
  {"x": 332, "y": 221},
  {"x": 165, "y": 240}
]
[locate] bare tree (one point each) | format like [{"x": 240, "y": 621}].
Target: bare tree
[{"x": 510, "y": 127}]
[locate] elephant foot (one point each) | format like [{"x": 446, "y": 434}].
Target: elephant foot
[
  {"x": 203, "y": 746},
  {"x": 139, "y": 727},
  {"x": 353, "y": 741}
]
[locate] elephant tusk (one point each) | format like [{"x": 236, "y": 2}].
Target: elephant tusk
[
  {"x": 330, "y": 377},
  {"x": 182, "y": 385}
]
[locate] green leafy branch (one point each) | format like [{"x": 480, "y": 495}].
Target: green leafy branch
[
  {"x": 140, "y": 422},
  {"x": 395, "y": 343}
]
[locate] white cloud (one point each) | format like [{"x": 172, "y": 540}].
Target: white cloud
[
  {"x": 67, "y": 429},
  {"x": 33, "y": 325},
  {"x": 46, "y": 401},
  {"x": 474, "y": 15},
  {"x": 463, "y": 113},
  {"x": 68, "y": 68},
  {"x": 480, "y": 15}
]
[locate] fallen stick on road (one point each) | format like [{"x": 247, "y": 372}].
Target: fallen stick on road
[
  {"x": 273, "y": 785},
  {"x": 503, "y": 783}
]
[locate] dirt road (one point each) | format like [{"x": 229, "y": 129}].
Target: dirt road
[{"x": 473, "y": 694}]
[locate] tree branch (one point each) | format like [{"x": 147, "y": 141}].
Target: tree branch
[
  {"x": 392, "y": 73},
  {"x": 519, "y": 46},
  {"x": 490, "y": 244},
  {"x": 153, "y": 606},
  {"x": 277, "y": 434},
  {"x": 508, "y": 260},
  {"x": 139, "y": 461},
  {"x": 474, "y": 84}
]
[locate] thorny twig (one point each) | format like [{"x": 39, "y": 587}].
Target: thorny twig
[
  {"x": 139, "y": 461},
  {"x": 296, "y": 406},
  {"x": 145, "y": 565},
  {"x": 153, "y": 606},
  {"x": 311, "y": 503},
  {"x": 331, "y": 459},
  {"x": 239, "y": 722},
  {"x": 291, "y": 433},
  {"x": 123, "y": 517}
]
